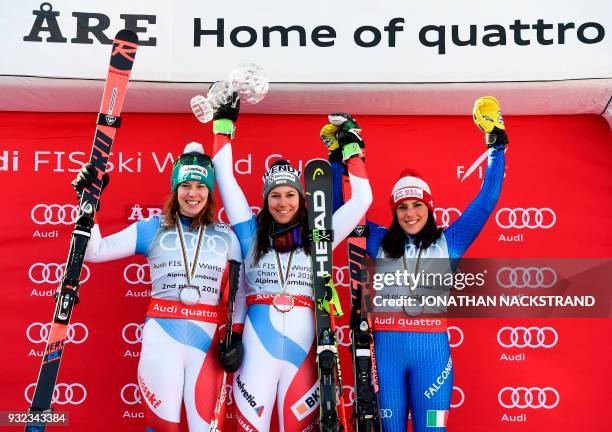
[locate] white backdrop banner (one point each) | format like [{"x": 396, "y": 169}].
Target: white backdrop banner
[{"x": 365, "y": 41}]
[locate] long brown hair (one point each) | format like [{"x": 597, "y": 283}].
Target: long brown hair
[
  {"x": 205, "y": 217},
  {"x": 264, "y": 222}
]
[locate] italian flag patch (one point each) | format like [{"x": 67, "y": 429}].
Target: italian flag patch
[{"x": 437, "y": 418}]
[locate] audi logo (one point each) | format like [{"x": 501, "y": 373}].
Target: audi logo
[
  {"x": 532, "y": 397},
  {"x": 132, "y": 333},
  {"x": 221, "y": 214},
  {"x": 385, "y": 413},
  {"x": 530, "y": 218},
  {"x": 526, "y": 277},
  {"x": 527, "y": 337},
  {"x": 454, "y": 342},
  {"x": 63, "y": 394},
  {"x": 348, "y": 392},
  {"x": 343, "y": 335},
  {"x": 130, "y": 394},
  {"x": 54, "y": 214},
  {"x": 216, "y": 244},
  {"x": 457, "y": 390},
  {"x": 341, "y": 276},
  {"x": 52, "y": 273},
  {"x": 446, "y": 216},
  {"x": 135, "y": 274},
  {"x": 38, "y": 332}
]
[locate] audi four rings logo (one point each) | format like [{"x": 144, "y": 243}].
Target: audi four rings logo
[
  {"x": 343, "y": 335},
  {"x": 446, "y": 216},
  {"x": 169, "y": 241},
  {"x": 532, "y": 397},
  {"x": 530, "y": 218},
  {"x": 385, "y": 413},
  {"x": 38, "y": 332},
  {"x": 130, "y": 394},
  {"x": 454, "y": 341},
  {"x": 63, "y": 394},
  {"x": 527, "y": 337},
  {"x": 526, "y": 277},
  {"x": 457, "y": 390},
  {"x": 349, "y": 395},
  {"x": 135, "y": 274},
  {"x": 341, "y": 276},
  {"x": 54, "y": 214},
  {"x": 52, "y": 273},
  {"x": 132, "y": 333}
]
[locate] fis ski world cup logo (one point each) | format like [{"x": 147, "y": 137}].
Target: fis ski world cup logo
[
  {"x": 63, "y": 394},
  {"x": 528, "y": 397},
  {"x": 307, "y": 403}
]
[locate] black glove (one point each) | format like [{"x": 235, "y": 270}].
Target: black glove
[
  {"x": 349, "y": 137},
  {"x": 231, "y": 356},
  {"x": 85, "y": 178},
  {"x": 229, "y": 110}
]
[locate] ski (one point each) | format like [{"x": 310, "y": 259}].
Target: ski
[
  {"x": 366, "y": 407},
  {"x": 216, "y": 425},
  {"x": 318, "y": 179},
  {"x": 121, "y": 62}
]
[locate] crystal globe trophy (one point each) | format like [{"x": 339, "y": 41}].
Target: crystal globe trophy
[{"x": 248, "y": 79}]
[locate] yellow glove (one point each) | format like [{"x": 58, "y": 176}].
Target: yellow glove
[
  {"x": 328, "y": 136},
  {"x": 331, "y": 297},
  {"x": 488, "y": 117}
]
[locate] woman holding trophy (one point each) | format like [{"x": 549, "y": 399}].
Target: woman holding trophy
[{"x": 277, "y": 305}]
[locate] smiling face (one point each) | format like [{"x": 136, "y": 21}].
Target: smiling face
[
  {"x": 283, "y": 204},
  {"x": 412, "y": 216},
  {"x": 192, "y": 198}
]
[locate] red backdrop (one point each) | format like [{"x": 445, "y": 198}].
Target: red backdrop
[{"x": 559, "y": 165}]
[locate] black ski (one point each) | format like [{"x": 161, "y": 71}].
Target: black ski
[
  {"x": 318, "y": 179},
  {"x": 366, "y": 407},
  {"x": 121, "y": 62},
  {"x": 216, "y": 424}
]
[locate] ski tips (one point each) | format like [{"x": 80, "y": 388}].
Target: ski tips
[{"x": 127, "y": 36}]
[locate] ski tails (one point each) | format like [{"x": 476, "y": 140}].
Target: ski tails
[
  {"x": 318, "y": 179},
  {"x": 366, "y": 407},
  {"x": 122, "y": 59},
  {"x": 216, "y": 425}
]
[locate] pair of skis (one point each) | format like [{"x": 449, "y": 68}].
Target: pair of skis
[
  {"x": 216, "y": 425},
  {"x": 67, "y": 295},
  {"x": 319, "y": 178}
]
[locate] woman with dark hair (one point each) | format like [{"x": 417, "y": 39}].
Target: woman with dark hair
[
  {"x": 415, "y": 370},
  {"x": 187, "y": 254},
  {"x": 279, "y": 364}
]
